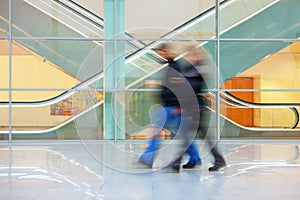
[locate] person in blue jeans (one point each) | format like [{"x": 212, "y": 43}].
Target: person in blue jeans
[{"x": 177, "y": 99}]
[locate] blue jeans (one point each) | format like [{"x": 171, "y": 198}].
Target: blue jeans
[{"x": 168, "y": 118}]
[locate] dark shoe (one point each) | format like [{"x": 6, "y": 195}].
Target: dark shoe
[
  {"x": 190, "y": 165},
  {"x": 217, "y": 166},
  {"x": 176, "y": 168}
]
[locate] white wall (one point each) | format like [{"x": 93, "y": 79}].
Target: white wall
[{"x": 153, "y": 15}]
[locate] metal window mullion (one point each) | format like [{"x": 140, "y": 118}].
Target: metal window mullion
[
  {"x": 110, "y": 39},
  {"x": 218, "y": 69},
  {"x": 158, "y": 39},
  {"x": 10, "y": 99},
  {"x": 115, "y": 74},
  {"x": 10, "y": 71}
]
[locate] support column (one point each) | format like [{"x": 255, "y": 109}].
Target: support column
[{"x": 114, "y": 69}]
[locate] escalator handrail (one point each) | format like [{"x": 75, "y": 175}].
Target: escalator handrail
[
  {"x": 254, "y": 128},
  {"x": 151, "y": 45},
  {"x": 57, "y": 98},
  {"x": 80, "y": 14},
  {"x": 259, "y": 105},
  {"x": 55, "y": 127},
  {"x": 101, "y": 102},
  {"x": 81, "y": 7},
  {"x": 242, "y": 103},
  {"x": 94, "y": 15}
]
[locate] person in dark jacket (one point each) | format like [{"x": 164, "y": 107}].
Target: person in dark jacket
[
  {"x": 176, "y": 96},
  {"x": 197, "y": 70}
]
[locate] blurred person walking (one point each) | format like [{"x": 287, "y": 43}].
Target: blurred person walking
[
  {"x": 197, "y": 59},
  {"x": 179, "y": 101}
]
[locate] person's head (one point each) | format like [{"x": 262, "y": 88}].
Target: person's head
[
  {"x": 194, "y": 55},
  {"x": 164, "y": 50}
]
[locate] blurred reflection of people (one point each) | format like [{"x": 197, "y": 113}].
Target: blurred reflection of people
[{"x": 196, "y": 58}]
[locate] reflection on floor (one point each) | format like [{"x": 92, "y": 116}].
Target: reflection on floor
[{"x": 104, "y": 170}]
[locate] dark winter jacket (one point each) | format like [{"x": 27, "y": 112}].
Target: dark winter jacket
[{"x": 178, "y": 77}]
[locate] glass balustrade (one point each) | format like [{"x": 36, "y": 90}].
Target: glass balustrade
[{"x": 82, "y": 61}]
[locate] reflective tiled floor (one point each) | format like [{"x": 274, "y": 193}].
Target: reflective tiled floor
[{"x": 103, "y": 170}]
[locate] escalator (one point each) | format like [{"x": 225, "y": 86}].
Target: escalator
[
  {"x": 56, "y": 18},
  {"x": 231, "y": 129},
  {"x": 80, "y": 59},
  {"x": 237, "y": 57},
  {"x": 233, "y": 64},
  {"x": 272, "y": 22}
]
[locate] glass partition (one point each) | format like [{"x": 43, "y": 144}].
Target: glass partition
[
  {"x": 260, "y": 65},
  {"x": 260, "y": 89},
  {"x": 260, "y": 19},
  {"x": 4, "y": 117},
  {"x": 77, "y": 60},
  {"x": 4, "y": 88},
  {"x": 76, "y": 116},
  {"x": 90, "y": 74},
  {"x": 143, "y": 96},
  {"x": 260, "y": 120},
  {"x": 54, "y": 19},
  {"x": 4, "y": 18}
]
